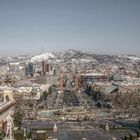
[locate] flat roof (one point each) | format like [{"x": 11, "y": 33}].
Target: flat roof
[{"x": 93, "y": 74}]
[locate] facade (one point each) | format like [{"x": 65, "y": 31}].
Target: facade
[
  {"x": 94, "y": 77},
  {"x": 77, "y": 82},
  {"x": 30, "y": 70},
  {"x": 29, "y": 92},
  {"x": 14, "y": 67},
  {"x": 45, "y": 67},
  {"x": 61, "y": 83}
]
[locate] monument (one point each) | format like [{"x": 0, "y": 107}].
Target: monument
[
  {"x": 107, "y": 127},
  {"x": 55, "y": 128},
  {"x": 9, "y": 127}
]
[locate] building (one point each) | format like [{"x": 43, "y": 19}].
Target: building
[
  {"x": 61, "y": 83},
  {"x": 30, "y": 70},
  {"x": 93, "y": 77},
  {"x": 77, "y": 82},
  {"x": 14, "y": 67},
  {"x": 45, "y": 67}
]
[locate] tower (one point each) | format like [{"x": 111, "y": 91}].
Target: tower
[
  {"x": 61, "y": 82},
  {"x": 45, "y": 67},
  {"x": 30, "y": 70},
  {"x": 77, "y": 82}
]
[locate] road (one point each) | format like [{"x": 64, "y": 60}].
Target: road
[{"x": 70, "y": 98}]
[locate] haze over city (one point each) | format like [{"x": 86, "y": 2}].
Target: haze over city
[
  {"x": 69, "y": 70},
  {"x": 103, "y": 27}
]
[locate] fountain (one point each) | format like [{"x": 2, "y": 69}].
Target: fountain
[{"x": 9, "y": 127}]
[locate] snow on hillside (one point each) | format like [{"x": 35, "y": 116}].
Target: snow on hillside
[
  {"x": 72, "y": 55},
  {"x": 134, "y": 58},
  {"x": 41, "y": 57},
  {"x": 87, "y": 60},
  {"x": 130, "y": 57}
]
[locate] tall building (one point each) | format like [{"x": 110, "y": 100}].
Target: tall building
[
  {"x": 77, "y": 82},
  {"x": 30, "y": 70},
  {"x": 45, "y": 67}
]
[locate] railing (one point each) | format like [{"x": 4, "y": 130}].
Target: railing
[{"x": 5, "y": 105}]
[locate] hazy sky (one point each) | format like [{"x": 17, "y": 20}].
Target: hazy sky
[{"x": 100, "y": 26}]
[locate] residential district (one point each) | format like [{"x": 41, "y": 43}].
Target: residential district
[{"x": 70, "y": 95}]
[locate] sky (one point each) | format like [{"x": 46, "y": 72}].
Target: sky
[{"x": 98, "y": 26}]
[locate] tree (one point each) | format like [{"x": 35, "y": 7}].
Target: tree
[
  {"x": 1, "y": 134},
  {"x": 139, "y": 124},
  {"x": 18, "y": 119},
  {"x": 45, "y": 95}
]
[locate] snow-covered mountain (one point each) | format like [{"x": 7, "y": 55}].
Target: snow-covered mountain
[
  {"x": 72, "y": 56},
  {"x": 65, "y": 56},
  {"x": 41, "y": 57}
]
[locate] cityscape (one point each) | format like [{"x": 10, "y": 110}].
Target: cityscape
[
  {"x": 69, "y": 70},
  {"x": 75, "y": 95}
]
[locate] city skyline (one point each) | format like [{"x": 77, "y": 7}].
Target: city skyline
[{"x": 103, "y": 27}]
